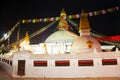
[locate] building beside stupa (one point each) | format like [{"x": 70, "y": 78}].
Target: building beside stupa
[{"x": 85, "y": 58}]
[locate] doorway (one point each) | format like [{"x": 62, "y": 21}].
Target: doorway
[{"x": 21, "y": 67}]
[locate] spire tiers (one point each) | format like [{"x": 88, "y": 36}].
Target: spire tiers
[
  {"x": 84, "y": 22},
  {"x": 63, "y": 13}
]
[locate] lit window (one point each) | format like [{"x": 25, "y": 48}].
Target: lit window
[
  {"x": 85, "y": 62},
  {"x": 40, "y": 63},
  {"x": 62, "y": 63},
  {"x": 109, "y": 61}
]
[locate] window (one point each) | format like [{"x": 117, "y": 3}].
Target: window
[
  {"x": 85, "y": 62},
  {"x": 40, "y": 63},
  {"x": 109, "y": 61},
  {"x": 7, "y": 61},
  {"x": 3, "y": 60},
  {"x": 11, "y": 62},
  {"x": 62, "y": 63}
]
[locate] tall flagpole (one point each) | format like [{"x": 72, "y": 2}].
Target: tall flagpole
[
  {"x": 8, "y": 41},
  {"x": 18, "y": 36}
]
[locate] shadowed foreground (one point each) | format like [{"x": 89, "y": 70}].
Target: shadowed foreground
[
  {"x": 6, "y": 76},
  {"x": 67, "y": 79}
]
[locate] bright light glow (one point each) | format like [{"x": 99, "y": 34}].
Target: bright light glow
[
  {"x": 5, "y": 36},
  {"x": 24, "y": 45}
]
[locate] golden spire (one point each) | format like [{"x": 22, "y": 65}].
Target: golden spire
[
  {"x": 84, "y": 22},
  {"x": 63, "y": 23},
  {"x": 26, "y": 37},
  {"x": 63, "y": 13}
]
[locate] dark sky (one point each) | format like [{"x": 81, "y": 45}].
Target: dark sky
[{"x": 11, "y": 11}]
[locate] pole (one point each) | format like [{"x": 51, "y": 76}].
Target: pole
[
  {"x": 18, "y": 37},
  {"x": 8, "y": 41}
]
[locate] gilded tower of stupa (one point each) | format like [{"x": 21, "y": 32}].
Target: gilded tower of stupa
[{"x": 85, "y": 42}]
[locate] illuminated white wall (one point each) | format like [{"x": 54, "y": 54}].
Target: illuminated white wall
[
  {"x": 51, "y": 48},
  {"x": 71, "y": 71}
]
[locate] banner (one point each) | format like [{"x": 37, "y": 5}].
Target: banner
[{"x": 94, "y": 13}]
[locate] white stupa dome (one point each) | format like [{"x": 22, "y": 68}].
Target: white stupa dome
[
  {"x": 85, "y": 44},
  {"x": 61, "y": 36}
]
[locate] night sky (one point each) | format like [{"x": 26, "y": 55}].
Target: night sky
[{"x": 12, "y": 11}]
